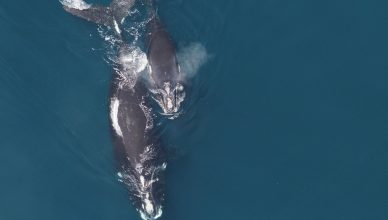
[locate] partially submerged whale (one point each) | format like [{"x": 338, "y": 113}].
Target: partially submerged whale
[
  {"x": 165, "y": 71},
  {"x": 141, "y": 157}
]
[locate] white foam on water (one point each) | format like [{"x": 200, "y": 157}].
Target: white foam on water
[
  {"x": 133, "y": 62},
  {"x": 135, "y": 59},
  {"x": 148, "y": 114},
  {"x": 191, "y": 58},
  {"x": 77, "y": 4}
]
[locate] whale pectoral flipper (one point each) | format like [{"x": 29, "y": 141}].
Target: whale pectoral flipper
[{"x": 97, "y": 14}]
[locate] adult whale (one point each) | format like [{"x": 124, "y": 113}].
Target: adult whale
[
  {"x": 141, "y": 158},
  {"x": 166, "y": 81}
]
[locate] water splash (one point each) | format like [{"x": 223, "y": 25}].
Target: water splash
[
  {"x": 127, "y": 58},
  {"x": 132, "y": 62}
]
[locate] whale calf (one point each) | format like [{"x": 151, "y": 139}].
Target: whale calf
[
  {"x": 139, "y": 152},
  {"x": 168, "y": 83}
]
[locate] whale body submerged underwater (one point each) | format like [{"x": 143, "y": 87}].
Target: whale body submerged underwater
[{"x": 141, "y": 158}]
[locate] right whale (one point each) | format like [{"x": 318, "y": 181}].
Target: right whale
[
  {"x": 141, "y": 158},
  {"x": 167, "y": 78}
]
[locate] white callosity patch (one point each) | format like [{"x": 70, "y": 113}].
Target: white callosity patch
[
  {"x": 191, "y": 58},
  {"x": 114, "y": 110},
  {"x": 77, "y": 4},
  {"x": 169, "y": 99},
  {"x": 148, "y": 205}
]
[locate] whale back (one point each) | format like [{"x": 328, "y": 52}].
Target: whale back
[
  {"x": 129, "y": 122},
  {"x": 161, "y": 54}
]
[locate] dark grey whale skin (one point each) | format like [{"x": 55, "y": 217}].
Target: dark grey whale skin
[
  {"x": 133, "y": 140},
  {"x": 161, "y": 54},
  {"x": 167, "y": 84},
  {"x": 131, "y": 145}
]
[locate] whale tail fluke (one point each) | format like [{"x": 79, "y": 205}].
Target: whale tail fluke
[
  {"x": 111, "y": 16},
  {"x": 96, "y": 14}
]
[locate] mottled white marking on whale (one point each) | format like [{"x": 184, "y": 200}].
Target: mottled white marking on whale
[
  {"x": 114, "y": 110},
  {"x": 117, "y": 29}
]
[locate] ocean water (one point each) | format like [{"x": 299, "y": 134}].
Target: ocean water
[{"x": 288, "y": 118}]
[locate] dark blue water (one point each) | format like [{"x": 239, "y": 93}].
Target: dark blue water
[{"x": 290, "y": 114}]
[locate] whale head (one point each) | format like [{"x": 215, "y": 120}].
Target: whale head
[
  {"x": 146, "y": 184},
  {"x": 150, "y": 209},
  {"x": 146, "y": 192},
  {"x": 151, "y": 195},
  {"x": 169, "y": 96}
]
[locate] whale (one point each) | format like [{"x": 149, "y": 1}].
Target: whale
[
  {"x": 166, "y": 81},
  {"x": 141, "y": 157}
]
